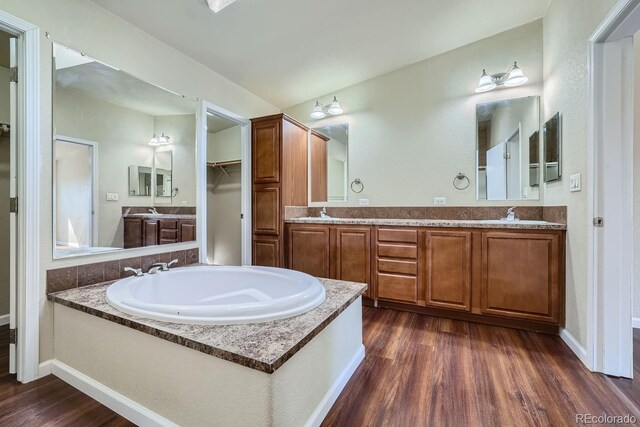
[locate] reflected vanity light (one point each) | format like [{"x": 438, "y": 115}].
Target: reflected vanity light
[
  {"x": 320, "y": 111},
  {"x": 157, "y": 141},
  {"x": 218, "y": 5},
  {"x": 513, "y": 77}
]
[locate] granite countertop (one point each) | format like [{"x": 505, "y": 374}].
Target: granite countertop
[
  {"x": 160, "y": 216},
  {"x": 440, "y": 223},
  {"x": 261, "y": 346}
]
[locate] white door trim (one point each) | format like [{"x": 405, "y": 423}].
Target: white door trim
[
  {"x": 610, "y": 133},
  {"x": 28, "y": 298},
  {"x": 201, "y": 167}
]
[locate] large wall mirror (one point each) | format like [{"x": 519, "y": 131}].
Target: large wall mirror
[
  {"x": 123, "y": 157},
  {"x": 508, "y": 149},
  {"x": 328, "y": 163}
]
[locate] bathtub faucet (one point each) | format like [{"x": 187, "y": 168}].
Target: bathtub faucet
[
  {"x": 161, "y": 266},
  {"x": 136, "y": 271}
]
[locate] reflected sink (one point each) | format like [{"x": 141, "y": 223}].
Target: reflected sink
[
  {"x": 150, "y": 215},
  {"x": 518, "y": 221}
]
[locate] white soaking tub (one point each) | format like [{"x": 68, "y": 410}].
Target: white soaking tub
[{"x": 215, "y": 295}]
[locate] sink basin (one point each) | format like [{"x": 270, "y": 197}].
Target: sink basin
[
  {"x": 149, "y": 215},
  {"x": 519, "y": 221}
]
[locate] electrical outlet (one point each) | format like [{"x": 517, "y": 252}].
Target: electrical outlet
[
  {"x": 363, "y": 202},
  {"x": 439, "y": 200},
  {"x": 575, "y": 182},
  {"x": 184, "y": 203},
  {"x": 112, "y": 197}
]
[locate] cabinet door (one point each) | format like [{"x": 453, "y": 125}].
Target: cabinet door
[
  {"x": 266, "y": 210},
  {"x": 449, "y": 270},
  {"x": 266, "y": 251},
  {"x": 309, "y": 250},
  {"x": 150, "y": 230},
  {"x": 187, "y": 230},
  {"x": 353, "y": 255},
  {"x": 132, "y": 233},
  {"x": 520, "y": 275},
  {"x": 266, "y": 151}
]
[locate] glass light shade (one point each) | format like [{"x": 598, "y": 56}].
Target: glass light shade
[
  {"x": 218, "y": 5},
  {"x": 318, "y": 112},
  {"x": 486, "y": 83},
  {"x": 154, "y": 140},
  {"x": 163, "y": 140},
  {"x": 335, "y": 108},
  {"x": 516, "y": 77}
]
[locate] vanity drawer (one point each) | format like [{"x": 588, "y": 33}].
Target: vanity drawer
[
  {"x": 397, "y": 287},
  {"x": 397, "y": 251},
  {"x": 397, "y": 235},
  {"x": 397, "y": 266},
  {"x": 171, "y": 224},
  {"x": 168, "y": 236}
]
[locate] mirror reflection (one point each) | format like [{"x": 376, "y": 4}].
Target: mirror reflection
[
  {"x": 508, "y": 149},
  {"x": 553, "y": 149},
  {"x": 328, "y": 163},
  {"x": 118, "y": 143}
]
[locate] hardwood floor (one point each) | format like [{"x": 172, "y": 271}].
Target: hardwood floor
[
  {"x": 48, "y": 401},
  {"x": 631, "y": 388},
  {"x": 422, "y": 370},
  {"x": 419, "y": 370}
]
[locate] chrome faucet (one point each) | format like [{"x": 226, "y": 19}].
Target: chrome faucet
[
  {"x": 161, "y": 266},
  {"x": 154, "y": 211},
  {"x": 136, "y": 271},
  {"x": 323, "y": 213},
  {"x": 511, "y": 215}
]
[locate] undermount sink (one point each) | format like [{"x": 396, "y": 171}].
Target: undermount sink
[{"x": 517, "y": 221}]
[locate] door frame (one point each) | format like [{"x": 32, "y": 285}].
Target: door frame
[
  {"x": 201, "y": 172},
  {"x": 609, "y": 321},
  {"x": 28, "y": 177},
  {"x": 94, "y": 185}
]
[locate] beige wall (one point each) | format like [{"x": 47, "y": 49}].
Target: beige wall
[
  {"x": 636, "y": 178},
  {"x": 84, "y": 26},
  {"x": 412, "y": 130},
  {"x": 567, "y": 27}
]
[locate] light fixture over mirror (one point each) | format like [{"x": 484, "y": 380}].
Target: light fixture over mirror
[
  {"x": 513, "y": 77},
  {"x": 320, "y": 111},
  {"x": 157, "y": 141},
  {"x": 218, "y": 5}
]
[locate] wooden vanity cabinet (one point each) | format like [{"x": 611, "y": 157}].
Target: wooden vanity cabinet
[
  {"x": 139, "y": 232},
  {"x": 397, "y": 270},
  {"x": 276, "y": 141}
]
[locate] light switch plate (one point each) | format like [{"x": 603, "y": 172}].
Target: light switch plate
[
  {"x": 363, "y": 202},
  {"x": 184, "y": 203},
  {"x": 575, "y": 182},
  {"x": 439, "y": 200},
  {"x": 112, "y": 197}
]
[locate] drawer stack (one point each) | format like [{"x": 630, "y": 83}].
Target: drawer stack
[{"x": 397, "y": 264}]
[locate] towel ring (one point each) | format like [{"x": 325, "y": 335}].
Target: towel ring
[
  {"x": 358, "y": 183},
  {"x": 461, "y": 177}
]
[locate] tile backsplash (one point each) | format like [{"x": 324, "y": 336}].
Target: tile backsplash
[{"x": 61, "y": 279}]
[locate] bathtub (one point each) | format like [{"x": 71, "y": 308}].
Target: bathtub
[{"x": 215, "y": 295}]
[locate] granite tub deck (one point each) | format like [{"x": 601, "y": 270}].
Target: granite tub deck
[
  {"x": 434, "y": 223},
  {"x": 261, "y": 346}
]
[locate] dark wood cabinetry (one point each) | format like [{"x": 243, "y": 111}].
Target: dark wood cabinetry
[
  {"x": 506, "y": 277},
  {"x": 276, "y": 141},
  {"x": 140, "y": 232}
]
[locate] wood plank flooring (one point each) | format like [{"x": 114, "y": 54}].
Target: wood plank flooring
[
  {"x": 423, "y": 371},
  {"x": 631, "y": 388},
  {"x": 419, "y": 371},
  {"x": 48, "y": 401}
]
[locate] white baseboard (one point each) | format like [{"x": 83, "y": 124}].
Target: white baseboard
[
  {"x": 4, "y": 319},
  {"x": 636, "y": 322},
  {"x": 330, "y": 398},
  {"x": 113, "y": 400},
  {"x": 45, "y": 368},
  {"x": 575, "y": 346}
]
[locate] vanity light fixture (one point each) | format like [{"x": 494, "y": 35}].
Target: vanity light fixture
[
  {"x": 320, "y": 111},
  {"x": 218, "y": 5},
  {"x": 157, "y": 141},
  {"x": 513, "y": 77}
]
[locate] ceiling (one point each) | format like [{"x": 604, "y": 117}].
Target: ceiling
[
  {"x": 217, "y": 124},
  {"x": 84, "y": 74},
  {"x": 290, "y": 51}
]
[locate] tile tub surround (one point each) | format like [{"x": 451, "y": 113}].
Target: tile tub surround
[
  {"x": 261, "y": 346},
  {"x": 557, "y": 214},
  {"x": 61, "y": 279},
  {"x": 435, "y": 223}
]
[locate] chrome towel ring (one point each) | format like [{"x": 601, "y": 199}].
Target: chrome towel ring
[
  {"x": 461, "y": 177},
  {"x": 359, "y": 186}
]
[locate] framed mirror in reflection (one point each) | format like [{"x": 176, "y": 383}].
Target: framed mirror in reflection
[
  {"x": 123, "y": 140},
  {"x": 553, "y": 149},
  {"x": 508, "y": 149},
  {"x": 328, "y": 163}
]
